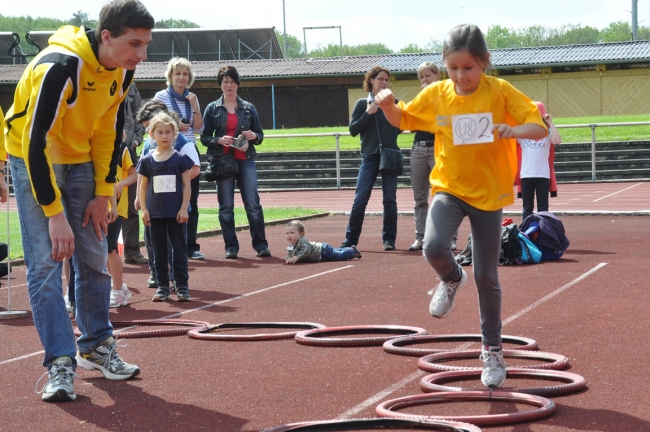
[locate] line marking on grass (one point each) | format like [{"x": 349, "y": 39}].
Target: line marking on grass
[
  {"x": 415, "y": 375},
  {"x": 208, "y": 305},
  {"x": 614, "y": 193}
]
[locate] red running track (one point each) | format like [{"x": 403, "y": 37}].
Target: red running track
[{"x": 590, "y": 306}]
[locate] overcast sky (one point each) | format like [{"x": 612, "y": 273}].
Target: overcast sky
[{"x": 395, "y": 23}]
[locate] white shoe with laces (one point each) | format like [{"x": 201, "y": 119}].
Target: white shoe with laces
[
  {"x": 127, "y": 293},
  {"x": 442, "y": 302},
  {"x": 494, "y": 368},
  {"x": 118, "y": 299},
  {"x": 60, "y": 382}
]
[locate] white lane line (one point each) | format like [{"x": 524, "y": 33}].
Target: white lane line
[
  {"x": 211, "y": 304},
  {"x": 553, "y": 294},
  {"x": 22, "y": 357},
  {"x": 415, "y": 375},
  {"x": 622, "y": 190},
  {"x": 12, "y": 286}
]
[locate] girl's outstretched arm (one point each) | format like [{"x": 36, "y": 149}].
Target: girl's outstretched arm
[
  {"x": 526, "y": 130},
  {"x": 385, "y": 100}
]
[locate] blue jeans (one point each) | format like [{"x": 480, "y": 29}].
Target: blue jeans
[
  {"x": 247, "y": 183},
  {"x": 330, "y": 253},
  {"x": 367, "y": 175},
  {"x": 163, "y": 232},
  {"x": 150, "y": 255},
  {"x": 92, "y": 281}
]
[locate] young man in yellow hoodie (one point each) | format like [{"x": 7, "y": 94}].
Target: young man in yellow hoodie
[{"x": 63, "y": 135}]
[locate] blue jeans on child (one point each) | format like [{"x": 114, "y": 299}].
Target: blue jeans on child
[
  {"x": 149, "y": 246},
  {"x": 93, "y": 283},
  {"x": 330, "y": 253},
  {"x": 365, "y": 181},
  {"x": 162, "y": 230}
]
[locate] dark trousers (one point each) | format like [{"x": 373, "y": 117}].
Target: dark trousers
[
  {"x": 131, "y": 226},
  {"x": 160, "y": 230},
  {"x": 530, "y": 187},
  {"x": 193, "y": 221}
]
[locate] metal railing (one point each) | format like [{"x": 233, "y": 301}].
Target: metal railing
[{"x": 593, "y": 126}]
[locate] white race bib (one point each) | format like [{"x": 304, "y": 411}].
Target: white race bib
[
  {"x": 472, "y": 128},
  {"x": 164, "y": 183}
]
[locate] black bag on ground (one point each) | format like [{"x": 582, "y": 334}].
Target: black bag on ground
[
  {"x": 510, "y": 246},
  {"x": 221, "y": 167},
  {"x": 391, "y": 160}
]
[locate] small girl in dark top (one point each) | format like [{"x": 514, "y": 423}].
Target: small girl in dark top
[
  {"x": 302, "y": 250},
  {"x": 164, "y": 197}
]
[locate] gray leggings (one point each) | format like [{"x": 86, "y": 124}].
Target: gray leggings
[{"x": 445, "y": 216}]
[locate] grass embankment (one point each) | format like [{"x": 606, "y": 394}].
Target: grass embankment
[{"x": 208, "y": 220}]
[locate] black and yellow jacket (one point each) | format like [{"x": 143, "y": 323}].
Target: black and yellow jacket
[{"x": 67, "y": 110}]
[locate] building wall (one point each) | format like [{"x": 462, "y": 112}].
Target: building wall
[{"x": 571, "y": 94}]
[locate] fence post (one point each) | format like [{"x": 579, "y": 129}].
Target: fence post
[
  {"x": 338, "y": 162},
  {"x": 593, "y": 151}
]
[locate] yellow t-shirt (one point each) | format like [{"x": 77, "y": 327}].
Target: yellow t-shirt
[
  {"x": 123, "y": 172},
  {"x": 482, "y": 174}
]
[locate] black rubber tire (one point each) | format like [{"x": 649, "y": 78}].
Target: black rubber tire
[
  {"x": 429, "y": 362},
  {"x": 376, "y": 423},
  {"x": 316, "y": 337},
  {"x": 432, "y": 383},
  {"x": 546, "y": 406},
  {"x": 398, "y": 345},
  {"x": 208, "y": 332}
]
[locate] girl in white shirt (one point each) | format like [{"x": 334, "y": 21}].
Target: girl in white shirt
[{"x": 535, "y": 169}]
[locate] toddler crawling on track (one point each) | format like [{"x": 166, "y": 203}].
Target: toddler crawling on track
[{"x": 302, "y": 250}]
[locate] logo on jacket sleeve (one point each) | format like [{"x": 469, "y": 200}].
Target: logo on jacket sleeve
[
  {"x": 113, "y": 88},
  {"x": 90, "y": 86}
]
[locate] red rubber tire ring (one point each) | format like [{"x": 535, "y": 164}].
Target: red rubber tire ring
[
  {"x": 376, "y": 423},
  {"x": 430, "y": 383},
  {"x": 207, "y": 333},
  {"x": 395, "y": 346},
  {"x": 429, "y": 362},
  {"x": 546, "y": 406},
  {"x": 180, "y": 330},
  {"x": 313, "y": 337}
]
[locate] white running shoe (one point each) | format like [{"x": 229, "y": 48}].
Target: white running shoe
[
  {"x": 494, "y": 368},
  {"x": 442, "y": 302},
  {"x": 127, "y": 293},
  {"x": 118, "y": 299}
]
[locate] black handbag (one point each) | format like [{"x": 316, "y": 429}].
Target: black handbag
[
  {"x": 221, "y": 167},
  {"x": 391, "y": 160}
]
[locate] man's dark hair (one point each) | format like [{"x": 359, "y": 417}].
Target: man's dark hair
[
  {"x": 118, "y": 15},
  {"x": 228, "y": 71}
]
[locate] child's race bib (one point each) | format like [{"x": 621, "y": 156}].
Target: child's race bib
[
  {"x": 472, "y": 128},
  {"x": 164, "y": 183}
]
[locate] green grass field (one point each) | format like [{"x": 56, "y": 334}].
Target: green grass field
[
  {"x": 621, "y": 133},
  {"x": 208, "y": 220}
]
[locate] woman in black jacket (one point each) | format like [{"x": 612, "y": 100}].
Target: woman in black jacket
[
  {"x": 226, "y": 119},
  {"x": 369, "y": 121}
]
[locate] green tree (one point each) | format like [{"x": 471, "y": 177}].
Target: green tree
[
  {"x": 294, "y": 46},
  {"x": 175, "y": 23},
  {"x": 501, "y": 37},
  {"x": 334, "y": 50},
  {"x": 81, "y": 18},
  {"x": 411, "y": 48}
]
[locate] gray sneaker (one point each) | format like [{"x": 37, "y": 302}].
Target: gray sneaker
[
  {"x": 105, "y": 359},
  {"x": 60, "y": 382},
  {"x": 494, "y": 368},
  {"x": 442, "y": 302}
]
